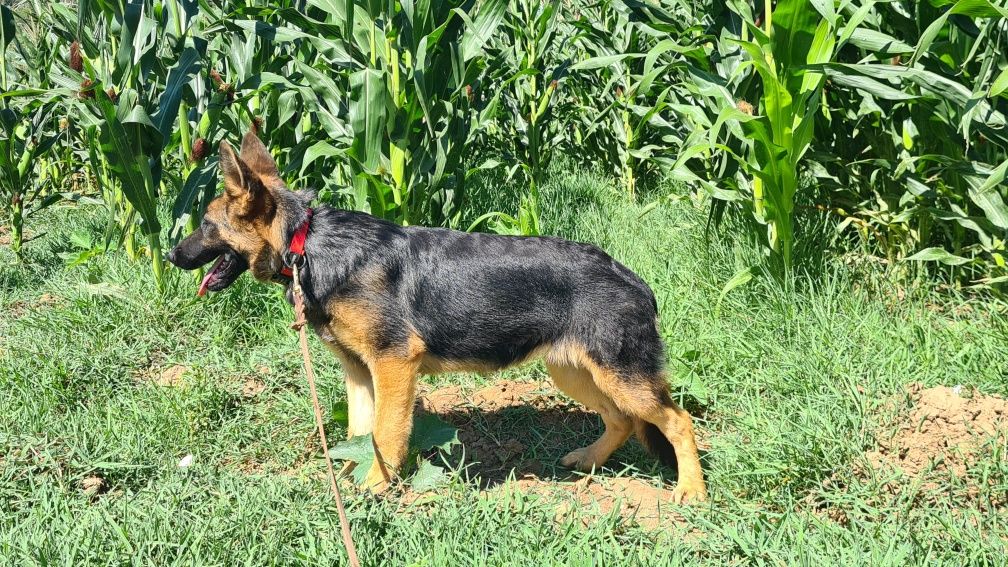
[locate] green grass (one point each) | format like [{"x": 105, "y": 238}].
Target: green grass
[{"x": 788, "y": 386}]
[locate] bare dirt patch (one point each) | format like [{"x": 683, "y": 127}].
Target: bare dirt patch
[
  {"x": 514, "y": 433},
  {"x": 252, "y": 387},
  {"x": 173, "y": 376},
  {"x": 945, "y": 431},
  {"x": 591, "y": 497},
  {"x": 93, "y": 486},
  {"x": 48, "y": 300},
  {"x": 17, "y": 309},
  {"x": 510, "y": 427},
  {"x": 20, "y": 308},
  {"x": 6, "y": 236}
]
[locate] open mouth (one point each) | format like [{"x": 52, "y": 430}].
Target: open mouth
[{"x": 223, "y": 273}]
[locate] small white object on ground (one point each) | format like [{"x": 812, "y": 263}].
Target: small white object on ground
[
  {"x": 185, "y": 462},
  {"x": 957, "y": 389}
]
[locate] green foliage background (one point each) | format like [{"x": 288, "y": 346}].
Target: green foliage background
[{"x": 889, "y": 116}]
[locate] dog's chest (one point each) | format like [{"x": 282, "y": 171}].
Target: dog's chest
[{"x": 351, "y": 325}]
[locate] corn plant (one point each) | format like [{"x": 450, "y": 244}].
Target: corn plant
[
  {"x": 136, "y": 101},
  {"x": 628, "y": 92},
  {"x": 922, "y": 176},
  {"x": 27, "y": 136},
  {"x": 890, "y": 116},
  {"x": 891, "y": 153},
  {"x": 354, "y": 99},
  {"x": 29, "y": 131},
  {"x": 796, "y": 36},
  {"x": 397, "y": 111},
  {"x": 145, "y": 109},
  {"x": 262, "y": 71},
  {"x": 529, "y": 63}
]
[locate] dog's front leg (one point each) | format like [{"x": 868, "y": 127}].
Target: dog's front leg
[
  {"x": 360, "y": 395},
  {"x": 395, "y": 394}
]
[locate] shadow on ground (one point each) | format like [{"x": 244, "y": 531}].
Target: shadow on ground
[
  {"x": 521, "y": 430},
  {"x": 513, "y": 435}
]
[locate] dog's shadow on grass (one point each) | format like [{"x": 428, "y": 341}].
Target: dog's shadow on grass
[{"x": 528, "y": 442}]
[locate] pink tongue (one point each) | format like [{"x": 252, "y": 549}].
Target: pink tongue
[{"x": 206, "y": 279}]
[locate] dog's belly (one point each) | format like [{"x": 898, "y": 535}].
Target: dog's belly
[{"x": 434, "y": 364}]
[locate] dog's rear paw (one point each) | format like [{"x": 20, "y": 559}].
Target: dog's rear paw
[
  {"x": 580, "y": 459},
  {"x": 689, "y": 491}
]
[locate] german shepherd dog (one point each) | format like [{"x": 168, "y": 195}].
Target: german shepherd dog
[{"x": 393, "y": 302}]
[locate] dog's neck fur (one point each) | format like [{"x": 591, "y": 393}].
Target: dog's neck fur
[
  {"x": 340, "y": 244},
  {"x": 292, "y": 207}
]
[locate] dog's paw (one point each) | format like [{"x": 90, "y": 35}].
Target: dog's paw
[
  {"x": 689, "y": 491},
  {"x": 582, "y": 459},
  {"x": 375, "y": 482}
]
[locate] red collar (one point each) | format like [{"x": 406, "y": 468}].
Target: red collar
[{"x": 296, "y": 252}]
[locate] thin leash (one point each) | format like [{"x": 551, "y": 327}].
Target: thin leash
[{"x": 299, "y": 326}]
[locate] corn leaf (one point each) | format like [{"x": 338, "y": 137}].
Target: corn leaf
[
  {"x": 879, "y": 42},
  {"x": 794, "y": 27},
  {"x": 171, "y": 97},
  {"x": 367, "y": 117},
  {"x": 199, "y": 187},
  {"x": 6, "y": 27},
  {"x": 320, "y": 149},
  {"x": 1000, "y": 84},
  {"x": 988, "y": 197},
  {"x": 935, "y": 254},
  {"x": 479, "y": 30},
  {"x": 971, "y": 8},
  {"x": 129, "y": 166}
]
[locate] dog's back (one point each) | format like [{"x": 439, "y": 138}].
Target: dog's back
[{"x": 497, "y": 300}]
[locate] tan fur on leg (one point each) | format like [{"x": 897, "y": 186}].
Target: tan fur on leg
[
  {"x": 360, "y": 394},
  {"x": 677, "y": 425},
  {"x": 646, "y": 397},
  {"x": 395, "y": 393},
  {"x": 577, "y": 383}
]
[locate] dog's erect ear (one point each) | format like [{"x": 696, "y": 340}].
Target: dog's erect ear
[
  {"x": 258, "y": 158},
  {"x": 238, "y": 178}
]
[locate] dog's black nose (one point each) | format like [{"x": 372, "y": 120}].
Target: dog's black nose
[{"x": 171, "y": 257}]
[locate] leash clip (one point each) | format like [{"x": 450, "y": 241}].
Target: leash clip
[{"x": 291, "y": 260}]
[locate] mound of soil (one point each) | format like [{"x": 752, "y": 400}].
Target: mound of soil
[
  {"x": 514, "y": 433},
  {"x": 592, "y": 497},
  {"x": 946, "y": 430}
]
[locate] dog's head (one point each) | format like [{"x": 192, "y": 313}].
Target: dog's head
[{"x": 242, "y": 228}]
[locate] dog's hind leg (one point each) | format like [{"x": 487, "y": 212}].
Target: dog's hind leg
[
  {"x": 646, "y": 399},
  {"x": 395, "y": 393},
  {"x": 676, "y": 425},
  {"x": 577, "y": 383}
]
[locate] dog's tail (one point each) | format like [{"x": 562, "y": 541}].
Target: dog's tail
[{"x": 655, "y": 442}]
